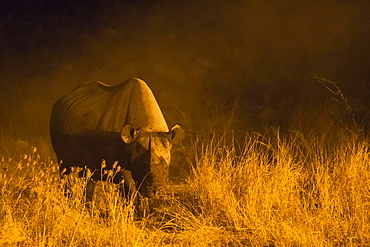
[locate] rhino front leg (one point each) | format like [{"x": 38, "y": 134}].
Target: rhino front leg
[{"x": 129, "y": 188}]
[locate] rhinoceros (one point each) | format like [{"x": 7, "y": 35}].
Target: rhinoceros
[{"x": 121, "y": 123}]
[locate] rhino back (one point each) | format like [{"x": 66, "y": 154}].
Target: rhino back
[{"x": 96, "y": 106}]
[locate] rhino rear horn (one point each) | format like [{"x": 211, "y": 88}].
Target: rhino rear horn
[
  {"x": 177, "y": 134},
  {"x": 128, "y": 133}
]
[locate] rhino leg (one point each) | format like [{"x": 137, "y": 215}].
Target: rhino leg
[
  {"x": 90, "y": 188},
  {"x": 129, "y": 188}
]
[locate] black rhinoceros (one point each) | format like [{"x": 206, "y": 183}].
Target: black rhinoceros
[{"x": 116, "y": 123}]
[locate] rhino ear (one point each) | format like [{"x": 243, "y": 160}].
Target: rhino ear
[
  {"x": 177, "y": 134},
  {"x": 128, "y": 133}
]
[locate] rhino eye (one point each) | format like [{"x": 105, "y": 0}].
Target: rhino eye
[
  {"x": 140, "y": 149},
  {"x": 143, "y": 146}
]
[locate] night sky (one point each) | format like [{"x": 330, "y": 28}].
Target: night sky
[{"x": 199, "y": 57}]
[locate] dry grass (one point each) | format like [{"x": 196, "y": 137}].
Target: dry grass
[{"x": 277, "y": 190}]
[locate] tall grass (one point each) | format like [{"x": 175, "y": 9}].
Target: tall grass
[
  {"x": 277, "y": 189},
  {"x": 287, "y": 190}
]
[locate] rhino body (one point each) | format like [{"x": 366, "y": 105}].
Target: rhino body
[{"x": 116, "y": 123}]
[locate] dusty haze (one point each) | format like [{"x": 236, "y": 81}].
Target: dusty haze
[{"x": 245, "y": 57}]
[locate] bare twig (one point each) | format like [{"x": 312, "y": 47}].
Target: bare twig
[{"x": 333, "y": 88}]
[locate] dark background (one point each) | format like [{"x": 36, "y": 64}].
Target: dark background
[{"x": 244, "y": 64}]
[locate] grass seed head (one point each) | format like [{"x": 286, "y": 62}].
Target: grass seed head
[
  {"x": 103, "y": 164},
  {"x": 118, "y": 169}
]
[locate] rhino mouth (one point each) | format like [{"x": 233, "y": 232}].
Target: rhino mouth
[{"x": 148, "y": 191}]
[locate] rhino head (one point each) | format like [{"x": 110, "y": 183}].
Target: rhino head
[{"x": 150, "y": 156}]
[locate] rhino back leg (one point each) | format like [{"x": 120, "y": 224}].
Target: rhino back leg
[{"x": 90, "y": 189}]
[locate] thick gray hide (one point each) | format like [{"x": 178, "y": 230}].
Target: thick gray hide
[{"x": 86, "y": 125}]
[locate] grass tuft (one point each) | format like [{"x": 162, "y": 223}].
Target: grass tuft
[{"x": 276, "y": 189}]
